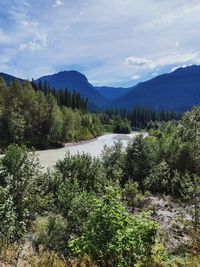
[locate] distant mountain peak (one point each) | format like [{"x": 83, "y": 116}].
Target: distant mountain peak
[
  {"x": 178, "y": 90},
  {"x": 67, "y": 75},
  {"x": 75, "y": 81},
  {"x": 69, "y": 72}
]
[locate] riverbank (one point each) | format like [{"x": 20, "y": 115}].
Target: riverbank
[
  {"x": 77, "y": 143},
  {"x": 118, "y": 137},
  {"x": 49, "y": 157}
]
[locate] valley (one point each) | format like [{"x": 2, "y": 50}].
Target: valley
[{"x": 99, "y": 133}]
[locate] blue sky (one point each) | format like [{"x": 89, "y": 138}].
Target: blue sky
[{"x": 112, "y": 42}]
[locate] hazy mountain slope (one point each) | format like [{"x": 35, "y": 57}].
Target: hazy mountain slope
[
  {"x": 8, "y": 78},
  {"x": 178, "y": 90},
  {"x": 112, "y": 93}
]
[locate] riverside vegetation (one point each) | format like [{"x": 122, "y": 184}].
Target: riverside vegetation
[
  {"x": 39, "y": 116},
  {"x": 106, "y": 211},
  {"x": 31, "y": 117}
]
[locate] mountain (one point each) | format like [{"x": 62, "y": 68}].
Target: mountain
[
  {"x": 112, "y": 93},
  {"x": 178, "y": 91},
  {"x": 9, "y": 78},
  {"x": 75, "y": 81}
]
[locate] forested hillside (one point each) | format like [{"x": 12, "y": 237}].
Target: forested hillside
[
  {"x": 34, "y": 117},
  {"x": 75, "y": 81},
  {"x": 133, "y": 207}
]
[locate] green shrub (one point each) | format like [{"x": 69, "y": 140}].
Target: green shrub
[{"x": 114, "y": 237}]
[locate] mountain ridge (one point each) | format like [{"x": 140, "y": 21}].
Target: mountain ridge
[
  {"x": 9, "y": 78},
  {"x": 74, "y": 81},
  {"x": 178, "y": 90}
]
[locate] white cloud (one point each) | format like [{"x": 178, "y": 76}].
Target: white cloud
[
  {"x": 177, "y": 43},
  {"x": 135, "y": 77},
  {"x": 138, "y": 61},
  {"x": 37, "y": 44},
  {"x": 178, "y": 12},
  {"x": 32, "y": 45},
  {"x": 180, "y": 58},
  {"x": 57, "y": 3},
  {"x": 154, "y": 74},
  {"x": 4, "y": 38},
  {"x": 180, "y": 66},
  {"x": 5, "y": 57}
]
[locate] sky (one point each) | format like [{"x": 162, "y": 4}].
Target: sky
[{"x": 112, "y": 42}]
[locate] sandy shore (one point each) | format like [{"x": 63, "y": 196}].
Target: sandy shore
[{"x": 77, "y": 143}]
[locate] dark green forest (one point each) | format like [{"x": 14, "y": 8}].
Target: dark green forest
[
  {"x": 143, "y": 117},
  {"x": 30, "y": 116},
  {"x": 64, "y": 97},
  {"x": 97, "y": 211}
]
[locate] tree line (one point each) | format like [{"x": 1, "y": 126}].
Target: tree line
[
  {"x": 144, "y": 117},
  {"x": 34, "y": 118},
  {"x": 63, "y": 96}
]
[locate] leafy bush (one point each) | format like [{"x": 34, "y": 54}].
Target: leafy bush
[
  {"x": 122, "y": 126},
  {"x": 136, "y": 161},
  {"x": 113, "y": 159},
  {"x": 114, "y": 237},
  {"x": 83, "y": 168},
  {"x": 131, "y": 194},
  {"x": 19, "y": 173}
]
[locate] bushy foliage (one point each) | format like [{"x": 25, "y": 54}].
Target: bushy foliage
[
  {"x": 122, "y": 125},
  {"x": 166, "y": 160},
  {"x": 132, "y": 195},
  {"x": 141, "y": 117},
  {"x": 19, "y": 174},
  {"x": 56, "y": 231},
  {"x": 84, "y": 169},
  {"x": 113, "y": 160},
  {"x": 136, "y": 161},
  {"x": 114, "y": 237},
  {"x": 87, "y": 210}
]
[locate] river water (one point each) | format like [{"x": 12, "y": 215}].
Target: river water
[{"x": 49, "y": 157}]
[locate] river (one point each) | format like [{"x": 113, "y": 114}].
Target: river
[{"x": 49, "y": 157}]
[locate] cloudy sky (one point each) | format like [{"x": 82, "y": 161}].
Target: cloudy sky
[{"x": 112, "y": 42}]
